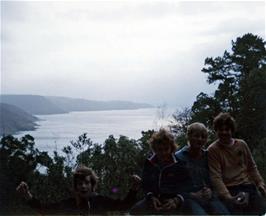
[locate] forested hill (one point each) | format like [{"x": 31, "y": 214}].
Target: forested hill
[
  {"x": 14, "y": 119},
  {"x": 75, "y": 104},
  {"x": 33, "y": 104},
  {"x": 41, "y": 105}
]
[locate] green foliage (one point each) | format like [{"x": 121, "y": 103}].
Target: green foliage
[
  {"x": 17, "y": 162},
  {"x": 114, "y": 161},
  {"x": 260, "y": 155},
  {"x": 204, "y": 109},
  {"x": 21, "y": 161},
  {"x": 144, "y": 147},
  {"x": 241, "y": 78},
  {"x": 182, "y": 119},
  {"x": 50, "y": 177},
  {"x": 120, "y": 162}
]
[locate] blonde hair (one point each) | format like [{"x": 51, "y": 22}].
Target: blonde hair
[
  {"x": 162, "y": 137},
  {"x": 196, "y": 127}
]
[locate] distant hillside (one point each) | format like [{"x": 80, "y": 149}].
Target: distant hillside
[
  {"x": 74, "y": 104},
  {"x": 40, "y": 105},
  {"x": 33, "y": 104},
  {"x": 14, "y": 119}
]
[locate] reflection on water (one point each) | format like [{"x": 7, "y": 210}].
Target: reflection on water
[{"x": 56, "y": 131}]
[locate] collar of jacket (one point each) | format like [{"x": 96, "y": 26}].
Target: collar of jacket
[
  {"x": 154, "y": 159},
  {"x": 182, "y": 154}
]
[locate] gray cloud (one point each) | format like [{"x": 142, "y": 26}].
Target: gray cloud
[{"x": 143, "y": 51}]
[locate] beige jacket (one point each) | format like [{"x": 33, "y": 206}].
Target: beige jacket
[{"x": 232, "y": 165}]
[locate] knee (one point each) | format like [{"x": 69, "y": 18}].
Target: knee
[
  {"x": 139, "y": 208},
  {"x": 193, "y": 207},
  {"x": 219, "y": 208}
]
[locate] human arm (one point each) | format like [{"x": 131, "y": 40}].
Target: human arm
[
  {"x": 107, "y": 203},
  {"x": 135, "y": 187},
  {"x": 33, "y": 202},
  {"x": 24, "y": 191},
  {"x": 150, "y": 178},
  {"x": 216, "y": 175},
  {"x": 148, "y": 182},
  {"x": 136, "y": 182},
  {"x": 204, "y": 194}
]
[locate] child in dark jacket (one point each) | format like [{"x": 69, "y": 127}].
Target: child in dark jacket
[
  {"x": 85, "y": 200},
  {"x": 161, "y": 176}
]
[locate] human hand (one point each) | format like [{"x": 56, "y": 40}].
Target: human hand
[
  {"x": 242, "y": 198},
  {"x": 170, "y": 204},
  {"x": 23, "y": 189},
  {"x": 157, "y": 205},
  {"x": 206, "y": 193},
  {"x": 136, "y": 182},
  {"x": 197, "y": 195}
]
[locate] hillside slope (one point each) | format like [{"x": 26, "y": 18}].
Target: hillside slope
[
  {"x": 33, "y": 104},
  {"x": 75, "y": 104},
  {"x": 43, "y": 105},
  {"x": 14, "y": 119}
]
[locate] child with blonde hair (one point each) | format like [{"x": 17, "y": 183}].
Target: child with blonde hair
[{"x": 161, "y": 177}]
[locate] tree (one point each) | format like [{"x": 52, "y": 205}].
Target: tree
[
  {"x": 21, "y": 161},
  {"x": 114, "y": 161},
  {"x": 241, "y": 78},
  {"x": 50, "y": 177},
  {"x": 17, "y": 162},
  {"x": 179, "y": 125}
]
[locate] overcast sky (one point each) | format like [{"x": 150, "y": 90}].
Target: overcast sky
[{"x": 144, "y": 51}]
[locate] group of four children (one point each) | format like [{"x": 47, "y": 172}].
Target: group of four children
[{"x": 221, "y": 180}]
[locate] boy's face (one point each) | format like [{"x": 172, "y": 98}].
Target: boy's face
[
  {"x": 197, "y": 139},
  {"x": 224, "y": 133},
  {"x": 163, "y": 151},
  {"x": 84, "y": 187}
]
